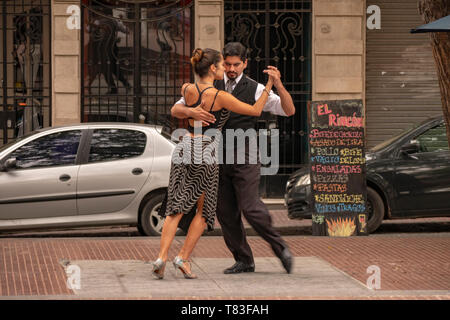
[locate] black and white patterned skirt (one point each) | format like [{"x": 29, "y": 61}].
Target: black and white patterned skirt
[{"x": 194, "y": 171}]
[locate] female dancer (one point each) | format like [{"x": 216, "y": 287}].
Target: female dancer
[{"x": 196, "y": 181}]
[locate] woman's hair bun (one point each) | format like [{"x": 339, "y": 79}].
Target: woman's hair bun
[
  {"x": 197, "y": 55},
  {"x": 202, "y": 59}
]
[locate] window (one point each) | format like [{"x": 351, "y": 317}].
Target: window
[
  {"x": 116, "y": 144},
  {"x": 56, "y": 149},
  {"x": 434, "y": 139}
]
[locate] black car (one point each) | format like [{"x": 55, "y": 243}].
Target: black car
[{"x": 408, "y": 176}]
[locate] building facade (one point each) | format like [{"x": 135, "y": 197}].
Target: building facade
[{"x": 68, "y": 61}]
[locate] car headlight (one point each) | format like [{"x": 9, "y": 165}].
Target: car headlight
[
  {"x": 304, "y": 180},
  {"x": 370, "y": 156}
]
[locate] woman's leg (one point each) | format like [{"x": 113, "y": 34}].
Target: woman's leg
[
  {"x": 195, "y": 231},
  {"x": 168, "y": 233}
]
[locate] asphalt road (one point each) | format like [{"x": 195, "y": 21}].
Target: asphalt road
[{"x": 294, "y": 227}]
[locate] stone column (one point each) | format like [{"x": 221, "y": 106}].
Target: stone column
[
  {"x": 338, "y": 70},
  {"x": 66, "y": 60},
  {"x": 209, "y": 24}
]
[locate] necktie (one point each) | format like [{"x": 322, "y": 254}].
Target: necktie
[{"x": 230, "y": 84}]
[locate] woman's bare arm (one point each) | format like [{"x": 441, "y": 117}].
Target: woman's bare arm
[{"x": 228, "y": 101}]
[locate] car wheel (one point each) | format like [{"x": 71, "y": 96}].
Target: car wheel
[
  {"x": 375, "y": 209},
  {"x": 150, "y": 222}
]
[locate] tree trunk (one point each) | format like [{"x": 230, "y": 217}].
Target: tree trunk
[{"x": 432, "y": 10}]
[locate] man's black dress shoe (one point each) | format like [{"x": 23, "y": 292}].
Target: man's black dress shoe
[
  {"x": 239, "y": 267},
  {"x": 286, "y": 260}
]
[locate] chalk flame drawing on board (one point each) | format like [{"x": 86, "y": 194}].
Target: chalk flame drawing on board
[{"x": 341, "y": 227}]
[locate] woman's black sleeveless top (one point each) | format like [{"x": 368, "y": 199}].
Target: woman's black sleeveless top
[{"x": 216, "y": 114}]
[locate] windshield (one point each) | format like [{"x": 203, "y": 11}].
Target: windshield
[
  {"x": 5, "y": 146},
  {"x": 384, "y": 144}
]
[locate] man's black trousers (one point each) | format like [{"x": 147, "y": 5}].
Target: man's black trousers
[{"x": 239, "y": 192}]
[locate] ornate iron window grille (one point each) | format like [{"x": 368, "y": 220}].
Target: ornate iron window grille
[
  {"x": 135, "y": 58},
  {"x": 278, "y": 33},
  {"x": 25, "y": 94}
]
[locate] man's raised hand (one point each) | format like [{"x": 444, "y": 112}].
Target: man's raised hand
[{"x": 275, "y": 74}]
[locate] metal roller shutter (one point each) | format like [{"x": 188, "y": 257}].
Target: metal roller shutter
[{"x": 401, "y": 77}]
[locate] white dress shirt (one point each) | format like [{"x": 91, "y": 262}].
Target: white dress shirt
[{"x": 273, "y": 104}]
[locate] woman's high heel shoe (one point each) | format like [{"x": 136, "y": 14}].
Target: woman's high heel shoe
[
  {"x": 158, "y": 269},
  {"x": 178, "y": 263}
]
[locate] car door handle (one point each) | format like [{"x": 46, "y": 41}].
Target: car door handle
[
  {"x": 64, "y": 177},
  {"x": 137, "y": 171}
]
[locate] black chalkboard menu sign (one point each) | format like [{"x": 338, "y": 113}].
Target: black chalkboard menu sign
[{"x": 337, "y": 168}]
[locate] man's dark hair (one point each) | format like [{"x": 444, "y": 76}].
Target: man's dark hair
[{"x": 235, "y": 49}]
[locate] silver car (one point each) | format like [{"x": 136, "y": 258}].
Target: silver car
[{"x": 91, "y": 174}]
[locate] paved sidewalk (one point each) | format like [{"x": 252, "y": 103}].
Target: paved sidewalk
[
  {"x": 411, "y": 267},
  {"x": 114, "y": 264}
]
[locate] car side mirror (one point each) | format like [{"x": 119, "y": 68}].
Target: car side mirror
[
  {"x": 11, "y": 163},
  {"x": 412, "y": 147}
]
